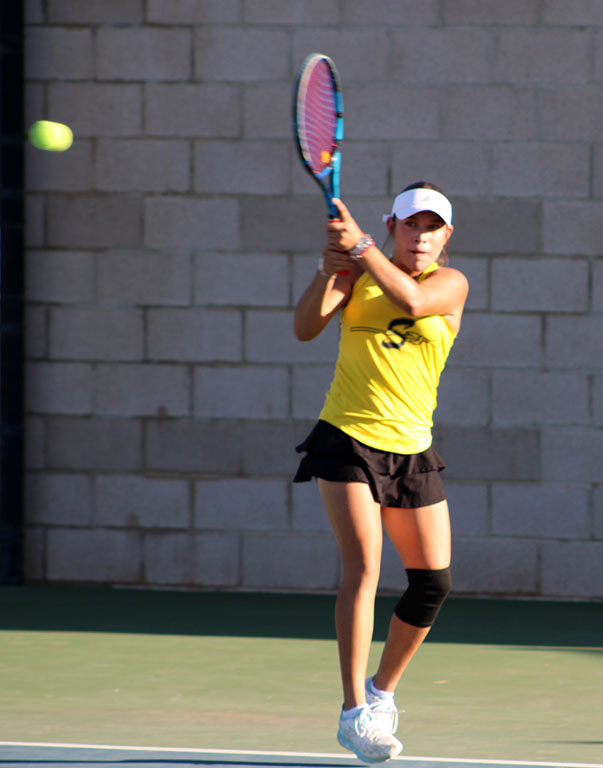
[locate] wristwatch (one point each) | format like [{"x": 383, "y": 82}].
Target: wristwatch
[{"x": 357, "y": 252}]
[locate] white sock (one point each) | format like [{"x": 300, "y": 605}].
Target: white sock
[{"x": 378, "y": 692}]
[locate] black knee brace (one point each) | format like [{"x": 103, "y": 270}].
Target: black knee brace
[{"x": 426, "y": 592}]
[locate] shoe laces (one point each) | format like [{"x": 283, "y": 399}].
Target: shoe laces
[{"x": 385, "y": 707}]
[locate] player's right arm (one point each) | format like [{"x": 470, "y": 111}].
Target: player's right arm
[{"x": 327, "y": 293}]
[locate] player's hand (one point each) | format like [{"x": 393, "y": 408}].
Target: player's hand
[
  {"x": 343, "y": 234},
  {"x": 335, "y": 261}
]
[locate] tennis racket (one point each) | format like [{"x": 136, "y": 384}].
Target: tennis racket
[{"x": 318, "y": 124}]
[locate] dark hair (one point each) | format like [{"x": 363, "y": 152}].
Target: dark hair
[{"x": 443, "y": 257}]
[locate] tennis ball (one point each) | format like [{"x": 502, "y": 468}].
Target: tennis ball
[{"x": 53, "y": 137}]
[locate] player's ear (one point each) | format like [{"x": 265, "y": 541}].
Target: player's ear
[{"x": 391, "y": 225}]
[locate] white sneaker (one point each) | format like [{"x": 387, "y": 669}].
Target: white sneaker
[
  {"x": 383, "y": 708},
  {"x": 362, "y": 735}
]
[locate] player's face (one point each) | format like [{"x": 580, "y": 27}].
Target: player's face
[{"x": 419, "y": 241}]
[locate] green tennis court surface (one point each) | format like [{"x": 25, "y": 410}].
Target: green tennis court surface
[{"x": 497, "y": 680}]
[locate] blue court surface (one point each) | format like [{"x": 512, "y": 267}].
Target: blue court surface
[{"x": 29, "y": 755}]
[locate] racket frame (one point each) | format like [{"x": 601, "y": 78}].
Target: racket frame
[{"x": 328, "y": 178}]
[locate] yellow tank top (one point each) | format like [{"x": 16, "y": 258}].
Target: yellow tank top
[{"x": 384, "y": 390}]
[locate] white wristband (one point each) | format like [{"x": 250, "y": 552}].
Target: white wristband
[{"x": 321, "y": 268}]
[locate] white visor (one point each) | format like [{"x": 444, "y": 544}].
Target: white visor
[{"x": 416, "y": 200}]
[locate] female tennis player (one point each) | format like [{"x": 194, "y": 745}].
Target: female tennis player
[{"x": 371, "y": 450}]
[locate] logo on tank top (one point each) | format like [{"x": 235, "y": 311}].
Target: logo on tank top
[{"x": 399, "y": 332}]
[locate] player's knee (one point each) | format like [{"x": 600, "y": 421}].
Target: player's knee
[{"x": 425, "y": 595}]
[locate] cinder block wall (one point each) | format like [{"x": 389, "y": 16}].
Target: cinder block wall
[{"x": 166, "y": 249}]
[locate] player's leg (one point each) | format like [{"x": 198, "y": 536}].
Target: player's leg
[
  {"x": 422, "y": 539},
  {"x": 356, "y": 521}
]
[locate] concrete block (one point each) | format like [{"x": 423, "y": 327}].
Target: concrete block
[
  {"x": 180, "y": 222},
  {"x": 597, "y": 399},
  {"x": 249, "y": 279},
  {"x": 396, "y": 121},
  {"x": 56, "y": 53},
  {"x": 132, "y": 164},
  {"x": 35, "y": 95},
  {"x": 572, "y": 455},
  {"x": 97, "y": 109},
  {"x": 135, "y": 501},
  {"x": 70, "y": 171},
  {"x": 34, "y": 12},
  {"x": 542, "y": 55},
  {"x": 529, "y": 169},
  {"x": 540, "y": 285},
  {"x": 96, "y": 334},
  {"x": 580, "y": 12},
  {"x": 240, "y": 503},
  {"x": 34, "y": 554},
  {"x": 194, "y": 12},
  {"x": 262, "y": 167},
  {"x": 216, "y": 560},
  {"x": 94, "y": 222},
  {"x": 239, "y": 392},
  {"x": 35, "y": 333},
  {"x": 108, "y": 557},
  {"x": 92, "y": 444},
  {"x": 491, "y": 12},
  {"x": 598, "y": 513},
  {"x": 301, "y": 224},
  {"x": 267, "y": 111},
  {"x": 168, "y": 558},
  {"x": 58, "y": 388},
  {"x": 529, "y": 397},
  {"x": 572, "y": 569},
  {"x": 192, "y": 110},
  {"x": 52, "y": 500},
  {"x": 194, "y": 335},
  {"x": 365, "y": 170},
  {"x": 498, "y": 341},
  {"x": 569, "y": 113},
  {"x": 460, "y": 168},
  {"x": 540, "y": 511},
  {"x": 482, "y": 454},
  {"x": 469, "y": 509},
  {"x": 448, "y": 62},
  {"x": 478, "y": 229},
  {"x": 35, "y": 212},
  {"x": 488, "y": 112},
  {"x": 59, "y": 276},
  {"x": 269, "y": 339},
  {"x": 314, "y": 12},
  {"x": 308, "y": 510},
  {"x": 142, "y": 390},
  {"x": 343, "y": 44},
  {"x": 268, "y": 448},
  {"x": 95, "y": 12},
  {"x": 35, "y": 443},
  {"x": 290, "y": 561},
  {"x": 495, "y": 567},
  {"x": 476, "y": 270},
  {"x": 241, "y": 54},
  {"x": 146, "y": 54},
  {"x": 597, "y": 267},
  {"x": 463, "y": 397},
  {"x": 391, "y": 12},
  {"x": 573, "y": 342},
  {"x": 181, "y": 445},
  {"x": 144, "y": 278},
  {"x": 310, "y": 385}
]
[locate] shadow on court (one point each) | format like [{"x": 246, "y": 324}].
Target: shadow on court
[{"x": 462, "y": 620}]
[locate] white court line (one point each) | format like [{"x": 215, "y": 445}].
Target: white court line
[{"x": 321, "y": 755}]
